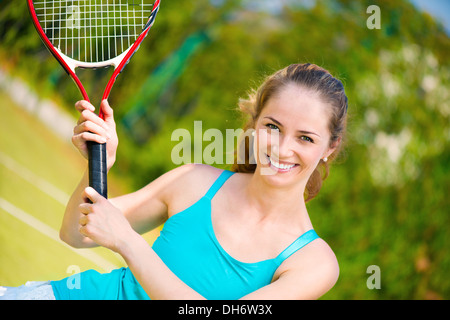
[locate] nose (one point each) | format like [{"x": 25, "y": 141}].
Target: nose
[{"x": 281, "y": 147}]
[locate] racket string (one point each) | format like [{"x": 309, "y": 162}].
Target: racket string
[{"x": 93, "y": 30}]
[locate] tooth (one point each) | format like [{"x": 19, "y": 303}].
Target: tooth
[{"x": 280, "y": 165}]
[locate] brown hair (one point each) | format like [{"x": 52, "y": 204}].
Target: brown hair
[{"x": 311, "y": 77}]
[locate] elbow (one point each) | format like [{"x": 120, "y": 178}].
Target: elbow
[
  {"x": 69, "y": 240},
  {"x": 65, "y": 238}
]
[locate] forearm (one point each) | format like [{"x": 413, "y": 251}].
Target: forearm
[
  {"x": 158, "y": 281},
  {"x": 69, "y": 231},
  {"x": 90, "y": 127}
]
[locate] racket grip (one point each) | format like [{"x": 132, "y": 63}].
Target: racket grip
[{"x": 97, "y": 167}]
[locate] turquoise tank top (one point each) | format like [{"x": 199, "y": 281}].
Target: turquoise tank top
[{"x": 188, "y": 246}]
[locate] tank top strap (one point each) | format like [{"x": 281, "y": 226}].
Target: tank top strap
[
  {"x": 218, "y": 183},
  {"x": 301, "y": 241}
]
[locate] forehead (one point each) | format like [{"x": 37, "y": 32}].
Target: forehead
[{"x": 299, "y": 107}]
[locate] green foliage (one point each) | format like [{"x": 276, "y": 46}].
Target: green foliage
[{"x": 386, "y": 200}]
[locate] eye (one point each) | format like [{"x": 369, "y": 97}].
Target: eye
[
  {"x": 272, "y": 126},
  {"x": 306, "y": 138}
]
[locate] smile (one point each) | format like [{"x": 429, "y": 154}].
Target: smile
[{"x": 281, "y": 167}]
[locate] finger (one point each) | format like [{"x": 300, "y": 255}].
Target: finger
[
  {"x": 83, "y": 221},
  {"x": 108, "y": 112},
  {"x": 87, "y": 115},
  {"x": 86, "y": 230},
  {"x": 85, "y": 208},
  {"x": 80, "y": 139},
  {"x": 92, "y": 195},
  {"x": 92, "y": 127},
  {"x": 82, "y": 230},
  {"x": 84, "y": 105}
]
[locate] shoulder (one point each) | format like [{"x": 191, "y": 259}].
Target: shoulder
[
  {"x": 186, "y": 184},
  {"x": 192, "y": 175},
  {"x": 312, "y": 271}
]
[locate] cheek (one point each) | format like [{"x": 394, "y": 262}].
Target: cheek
[
  {"x": 259, "y": 145},
  {"x": 266, "y": 141},
  {"x": 261, "y": 139},
  {"x": 312, "y": 156}
]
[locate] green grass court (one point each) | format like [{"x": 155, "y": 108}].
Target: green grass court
[{"x": 38, "y": 171}]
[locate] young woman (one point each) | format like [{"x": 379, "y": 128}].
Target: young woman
[{"x": 239, "y": 234}]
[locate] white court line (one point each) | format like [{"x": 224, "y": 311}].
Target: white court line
[
  {"x": 53, "y": 234},
  {"x": 33, "y": 179},
  {"x": 56, "y": 194}
]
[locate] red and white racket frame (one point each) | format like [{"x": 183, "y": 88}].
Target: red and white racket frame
[
  {"x": 118, "y": 62},
  {"x": 97, "y": 152}
]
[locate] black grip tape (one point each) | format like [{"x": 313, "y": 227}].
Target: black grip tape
[{"x": 97, "y": 167}]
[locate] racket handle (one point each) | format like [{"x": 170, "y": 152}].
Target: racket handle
[{"x": 97, "y": 167}]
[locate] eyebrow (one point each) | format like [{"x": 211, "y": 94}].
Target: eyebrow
[{"x": 300, "y": 131}]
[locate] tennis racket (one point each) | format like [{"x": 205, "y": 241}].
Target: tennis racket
[{"x": 93, "y": 34}]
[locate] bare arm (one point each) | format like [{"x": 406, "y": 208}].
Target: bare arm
[
  {"x": 308, "y": 274},
  {"x": 158, "y": 281},
  {"x": 69, "y": 231},
  {"x": 89, "y": 127},
  {"x": 145, "y": 209},
  {"x": 105, "y": 224}
]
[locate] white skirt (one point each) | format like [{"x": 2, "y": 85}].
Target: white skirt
[{"x": 32, "y": 290}]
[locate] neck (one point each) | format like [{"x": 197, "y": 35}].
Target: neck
[{"x": 276, "y": 201}]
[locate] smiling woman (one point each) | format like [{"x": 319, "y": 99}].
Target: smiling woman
[
  {"x": 226, "y": 235},
  {"x": 320, "y": 103}
]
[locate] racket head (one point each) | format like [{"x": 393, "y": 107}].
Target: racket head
[{"x": 92, "y": 33}]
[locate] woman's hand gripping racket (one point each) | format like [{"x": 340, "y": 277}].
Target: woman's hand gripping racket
[{"x": 93, "y": 34}]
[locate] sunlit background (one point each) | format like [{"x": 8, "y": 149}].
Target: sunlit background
[{"x": 386, "y": 201}]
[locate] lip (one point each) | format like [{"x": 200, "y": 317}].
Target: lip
[{"x": 281, "y": 166}]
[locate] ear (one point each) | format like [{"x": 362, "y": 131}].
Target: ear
[{"x": 333, "y": 146}]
